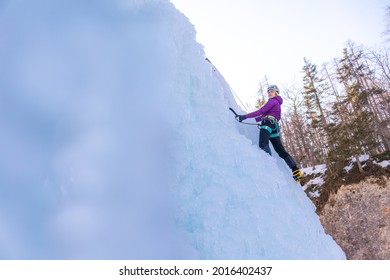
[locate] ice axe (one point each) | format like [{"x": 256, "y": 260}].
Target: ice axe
[
  {"x": 236, "y": 117},
  {"x": 234, "y": 112}
]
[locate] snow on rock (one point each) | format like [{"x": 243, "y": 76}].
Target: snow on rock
[
  {"x": 383, "y": 163},
  {"x": 318, "y": 169}
]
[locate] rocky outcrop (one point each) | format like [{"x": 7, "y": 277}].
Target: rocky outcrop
[{"x": 358, "y": 218}]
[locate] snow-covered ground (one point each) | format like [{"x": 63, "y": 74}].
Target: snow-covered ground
[
  {"x": 317, "y": 173},
  {"x": 384, "y": 163},
  {"x": 117, "y": 143}
]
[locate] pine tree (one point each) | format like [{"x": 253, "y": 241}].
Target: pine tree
[
  {"x": 373, "y": 94},
  {"x": 259, "y": 103},
  {"x": 314, "y": 89},
  {"x": 353, "y": 136}
]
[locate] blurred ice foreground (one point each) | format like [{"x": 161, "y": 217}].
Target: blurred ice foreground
[{"x": 117, "y": 144}]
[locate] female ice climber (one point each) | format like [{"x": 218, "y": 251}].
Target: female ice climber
[{"x": 269, "y": 115}]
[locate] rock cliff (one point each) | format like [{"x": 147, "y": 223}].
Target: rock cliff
[{"x": 358, "y": 218}]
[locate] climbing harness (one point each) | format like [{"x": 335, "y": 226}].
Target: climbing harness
[{"x": 274, "y": 132}]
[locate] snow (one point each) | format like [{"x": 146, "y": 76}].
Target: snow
[
  {"x": 318, "y": 169},
  {"x": 317, "y": 173},
  {"x": 316, "y": 181},
  {"x": 348, "y": 167},
  {"x": 364, "y": 158},
  {"x": 352, "y": 160},
  {"x": 117, "y": 143},
  {"x": 384, "y": 163}
]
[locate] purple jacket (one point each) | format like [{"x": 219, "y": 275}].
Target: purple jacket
[{"x": 272, "y": 107}]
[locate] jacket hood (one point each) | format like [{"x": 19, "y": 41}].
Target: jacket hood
[{"x": 279, "y": 99}]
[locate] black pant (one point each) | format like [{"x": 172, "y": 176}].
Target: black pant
[{"x": 267, "y": 129}]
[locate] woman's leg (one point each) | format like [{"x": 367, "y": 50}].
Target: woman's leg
[
  {"x": 264, "y": 140},
  {"x": 279, "y": 148}
]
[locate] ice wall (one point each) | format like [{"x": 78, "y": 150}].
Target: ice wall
[{"x": 117, "y": 144}]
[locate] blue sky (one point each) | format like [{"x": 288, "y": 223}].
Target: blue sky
[{"x": 248, "y": 39}]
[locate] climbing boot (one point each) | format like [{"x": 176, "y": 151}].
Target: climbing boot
[{"x": 297, "y": 175}]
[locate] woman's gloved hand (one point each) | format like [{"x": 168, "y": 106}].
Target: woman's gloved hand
[{"x": 241, "y": 118}]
